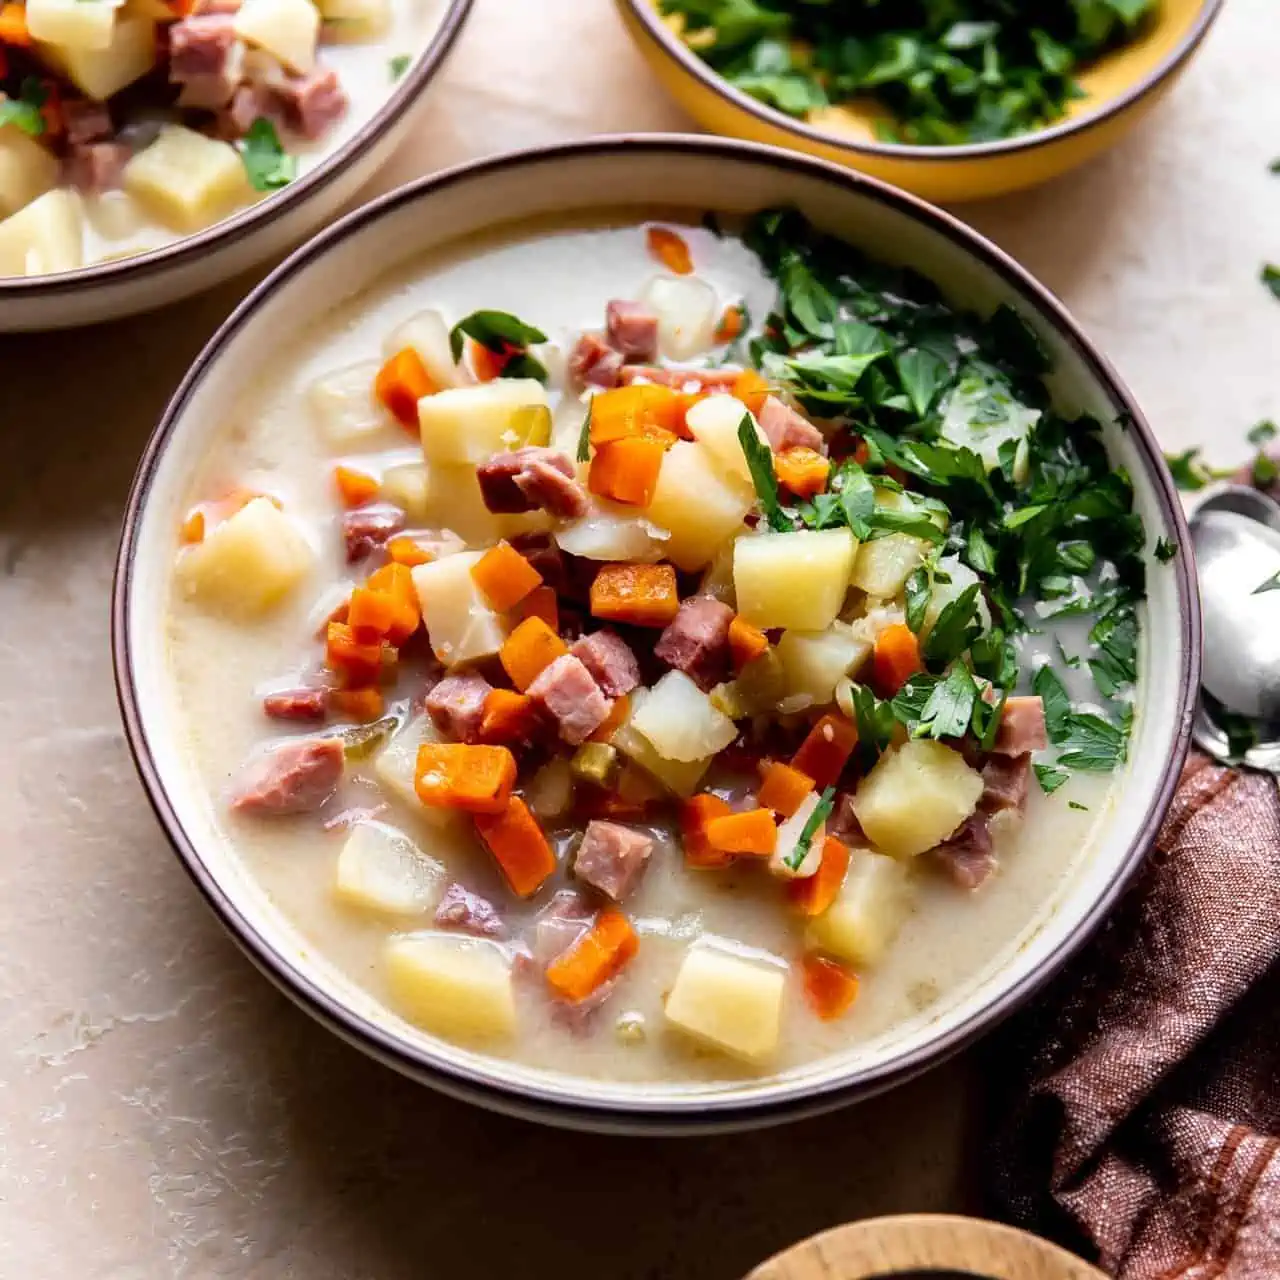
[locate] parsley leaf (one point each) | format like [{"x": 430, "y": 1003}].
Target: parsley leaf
[
  {"x": 875, "y": 721},
  {"x": 923, "y": 375},
  {"x": 917, "y": 593},
  {"x": 1115, "y": 637},
  {"x": 1261, "y": 433},
  {"x": 501, "y": 333},
  {"x": 1164, "y": 550},
  {"x": 268, "y": 165},
  {"x": 1271, "y": 584},
  {"x": 584, "y": 437},
  {"x": 949, "y": 710},
  {"x": 760, "y": 463},
  {"x": 24, "y": 111},
  {"x": 397, "y": 66},
  {"x": 1190, "y": 474},
  {"x": 821, "y": 812},
  {"x": 1271, "y": 278},
  {"x": 1049, "y": 777},
  {"x": 955, "y": 630}
]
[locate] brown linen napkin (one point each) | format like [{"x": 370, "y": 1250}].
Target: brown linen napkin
[{"x": 1137, "y": 1102}]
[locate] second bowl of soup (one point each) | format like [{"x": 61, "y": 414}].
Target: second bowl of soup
[{"x": 655, "y": 664}]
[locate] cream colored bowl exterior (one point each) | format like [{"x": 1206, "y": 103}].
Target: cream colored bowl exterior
[
  {"x": 263, "y": 231},
  {"x": 613, "y": 173}
]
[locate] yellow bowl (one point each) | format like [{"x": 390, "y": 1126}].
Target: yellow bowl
[{"x": 1119, "y": 90}]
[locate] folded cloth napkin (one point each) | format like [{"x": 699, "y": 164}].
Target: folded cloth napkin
[{"x": 1137, "y": 1103}]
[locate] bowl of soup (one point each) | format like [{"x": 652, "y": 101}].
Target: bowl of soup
[
  {"x": 655, "y": 666},
  {"x": 150, "y": 149},
  {"x": 953, "y": 102}
]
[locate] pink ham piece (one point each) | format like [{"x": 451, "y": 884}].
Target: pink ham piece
[
  {"x": 632, "y": 329},
  {"x": 593, "y": 362},
  {"x": 470, "y": 913},
  {"x": 566, "y": 691},
  {"x": 206, "y": 58},
  {"x": 609, "y": 659},
  {"x": 696, "y": 641},
  {"x": 967, "y": 856},
  {"x": 367, "y": 528},
  {"x": 295, "y": 777},
  {"x": 87, "y": 121},
  {"x": 456, "y": 705},
  {"x": 565, "y": 919},
  {"x": 612, "y": 858},
  {"x": 296, "y": 704},
  {"x": 94, "y": 167},
  {"x": 248, "y": 103},
  {"x": 1006, "y": 781},
  {"x": 1021, "y": 727},
  {"x": 530, "y": 478},
  {"x": 786, "y": 429},
  {"x": 313, "y": 103}
]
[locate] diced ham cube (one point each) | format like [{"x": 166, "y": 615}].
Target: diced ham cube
[
  {"x": 610, "y": 660},
  {"x": 87, "y": 121},
  {"x": 247, "y": 103},
  {"x": 844, "y": 824},
  {"x": 681, "y": 379},
  {"x": 456, "y": 705},
  {"x": 529, "y": 478},
  {"x": 696, "y": 641},
  {"x": 967, "y": 855},
  {"x": 313, "y": 103},
  {"x": 94, "y": 167},
  {"x": 632, "y": 329},
  {"x": 593, "y": 362},
  {"x": 461, "y": 909},
  {"x": 295, "y": 777},
  {"x": 202, "y": 45},
  {"x": 565, "y": 919},
  {"x": 546, "y": 486},
  {"x": 786, "y": 429},
  {"x": 367, "y": 528},
  {"x": 566, "y": 691},
  {"x": 296, "y": 704},
  {"x": 1021, "y": 727},
  {"x": 612, "y": 858},
  {"x": 1006, "y": 781}
]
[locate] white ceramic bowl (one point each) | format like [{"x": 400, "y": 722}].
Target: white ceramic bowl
[
  {"x": 613, "y": 173},
  {"x": 260, "y": 231}
]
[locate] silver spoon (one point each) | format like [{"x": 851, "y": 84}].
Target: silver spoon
[{"x": 1236, "y": 538}]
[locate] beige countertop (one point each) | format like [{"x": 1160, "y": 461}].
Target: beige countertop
[{"x": 163, "y": 1111}]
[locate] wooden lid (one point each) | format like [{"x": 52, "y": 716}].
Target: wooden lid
[{"x": 925, "y": 1247}]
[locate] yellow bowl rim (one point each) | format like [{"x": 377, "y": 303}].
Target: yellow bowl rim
[{"x": 675, "y": 48}]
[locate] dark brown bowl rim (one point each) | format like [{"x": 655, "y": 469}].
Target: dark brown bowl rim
[
  {"x": 680, "y": 53},
  {"x": 696, "y": 1112},
  {"x": 261, "y": 213}
]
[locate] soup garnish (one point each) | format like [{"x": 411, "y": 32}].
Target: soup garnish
[{"x": 754, "y": 611}]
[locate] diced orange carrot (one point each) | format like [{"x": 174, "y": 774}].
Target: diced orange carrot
[
  {"x": 754, "y": 832},
  {"x": 751, "y": 389},
  {"x": 355, "y": 488},
  {"x": 528, "y": 649},
  {"x": 829, "y": 987},
  {"x": 895, "y": 660},
  {"x": 192, "y": 530},
  {"x": 505, "y": 576},
  {"x": 745, "y": 642},
  {"x": 650, "y": 412},
  {"x": 358, "y": 661},
  {"x": 626, "y": 471},
  {"x": 487, "y": 364},
  {"x": 401, "y": 383},
  {"x": 803, "y": 471},
  {"x": 732, "y": 323},
  {"x": 396, "y": 580},
  {"x": 518, "y": 845},
  {"x": 508, "y": 716},
  {"x": 670, "y": 249},
  {"x": 645, "y": 595},
  {"x": 695, "y": 813},
  {"x": 456, "y": 775},
  {"x": 542, "y": 603},
  {"x": 372, "y": 615},
  {"x": 597, "y": 956},
  {"x": 362, "y": 704},
  {"x": 13, "y": 26},
  {"x": 814, "y": 894},
  {"x": 783, "y": 788},
  {"x": 407, "y": 551},
  {"x": 826, "y": 751},
  {"x": 617, "y": 714}
]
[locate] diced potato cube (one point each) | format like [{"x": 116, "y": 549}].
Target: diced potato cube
[
  {"x": 395, "y": 765},
  {"x": 714, "y": 423},
  {"x": 344, "y": 409},
  {"x": 884, "y": 565},
  {"x": 680, "y": 777},
  {"x": 863, "y": 921},
  {"x": 680, "y": 722},
  {"x": 793, "y": 579},
  {"x": 27, "y": 170},
  {"x": 699, "y": 509},
  {"x": 72, "y": 24},
  {"x": 355, "y": 21},
  {"x": 814, "y": 661},
  {"x": 381, "y": 869},
  {"x": 409, "y": 487},
  {"x": 456, "y": 987},
  {"x": 915, "y": 797},
  {"x": 426, "y": 333},
  {"x": 286, "y": 29},
  {"x": 102, "y": 73},
  {"x": 187, "y": 180},
  {"x": 45, "y": 236},
  {"x": 249, "y": 562},
  {"x": 467, "y": 424},
  {"x": 461, "y": 625},
  {"x": 687, "y": 310},
  {"x": 726, "y": 1000}
]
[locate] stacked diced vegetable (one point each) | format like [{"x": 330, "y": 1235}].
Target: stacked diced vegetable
[{"x": 765, "y": 609}]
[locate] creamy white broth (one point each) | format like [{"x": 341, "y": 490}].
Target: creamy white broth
[{"x": 559, "y": 279}]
